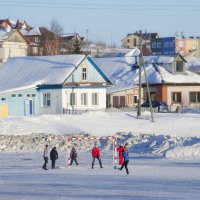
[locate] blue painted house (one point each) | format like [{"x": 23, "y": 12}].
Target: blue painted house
[{"x": 52, "y": 85}]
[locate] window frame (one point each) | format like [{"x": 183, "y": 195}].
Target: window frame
[
  {"x": 46, "y": 99},
  {"x": 84, "y": 99},
  {"x": 197, "y": 97},
  {"x": 73, "y": 99},
  {"x": 176, "y": 67},
  {"x": 179, "y": 98},
  {"x": 95, "y": 102},
  {"x": 84, "y": 73}
]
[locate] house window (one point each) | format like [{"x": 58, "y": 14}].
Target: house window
[
  {"x": 13, "y": 95},
  {"x": 3, "y": 99},
  {"x": 84, "y": 73},
  {"x": 159, "y": 44},
  {"x": 20, "y": 95},
  {"x": 153, "y": 45},
  {"x": 128, "y": 40},
  {"x": 179, "y": 66},
  {"x": 94, "y": 99},
  {"x": 72, "y": 99},
  {"x": 33, "y": 95},
  {"x": 135, "y": 42},
  {"x": 28, "y": 95},
  {"x": 152, "y": 96},
  {"x": 83, "y": 99},
  {"x": 194, "y": 97},
  {"x": 135, "y": 99},
  {"x": 166, "y": 44},
  {"x": 46, "y": 99},
  {"x": 176, "y": 97}
]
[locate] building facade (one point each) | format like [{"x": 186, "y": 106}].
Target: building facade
[{"x": 57, "y": 84}]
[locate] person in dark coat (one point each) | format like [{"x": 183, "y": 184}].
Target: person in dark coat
[
  {"x": 96, "y": 155},
  {"x": 54, "y": 157},
  {"x": 126, "y": 161},
  {"x": 126, "y": 148},
  {"x": 45, "y": 156},
  {"x": 73, "y": 156}
]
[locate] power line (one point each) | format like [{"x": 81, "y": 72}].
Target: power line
[{"x": 105, "y": 8}]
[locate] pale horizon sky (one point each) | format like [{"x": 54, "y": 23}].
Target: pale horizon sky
[{"x": 109, "y": 20}]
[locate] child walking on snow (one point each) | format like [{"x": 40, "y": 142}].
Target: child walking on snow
[{"x": 125, "y": 163}]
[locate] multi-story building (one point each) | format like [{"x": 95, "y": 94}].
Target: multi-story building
[
  {"x": 187, "y": 47},
  {"x": 133, "y": 39},
  {"x": 163, "y": 46}
]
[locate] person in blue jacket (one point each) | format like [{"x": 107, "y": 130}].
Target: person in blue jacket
[{"x": 126, "y": 160}]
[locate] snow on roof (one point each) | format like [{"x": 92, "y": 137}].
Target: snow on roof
[
  {"x": 193, "y": 64},
  {"x": 159, "y": 59},
  {"x": 133, "y": 52},
  {"x": 24, "y": 72},
  {"x": 33, "y": 31},
  {"x": 121, "y": 73},
  {"x": 4, "y": 34},
  {"x": 69, "y": 34}
]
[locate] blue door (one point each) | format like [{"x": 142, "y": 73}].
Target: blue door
[{"x": 30, "y": 106}]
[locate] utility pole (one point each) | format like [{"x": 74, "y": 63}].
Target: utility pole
[
  {"x": 140, "y": 82},
  {"x": 141, "y": 64},
  {"x": 148, "y": 90},
  {"x": 87, "y": 30}
]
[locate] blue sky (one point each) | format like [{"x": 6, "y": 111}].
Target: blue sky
[{"x": 109, "y": 20}]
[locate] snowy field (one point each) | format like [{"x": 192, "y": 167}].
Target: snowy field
[
  {"x": 104, "y": 124},
  {"x": 22, "y": 178},
  {"x": 164, "y": 157}
]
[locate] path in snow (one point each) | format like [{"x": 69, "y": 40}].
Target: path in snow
[{"x": 21, "y": 177}]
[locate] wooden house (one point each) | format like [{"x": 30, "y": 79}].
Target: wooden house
[{"x": 52, "y": 85}]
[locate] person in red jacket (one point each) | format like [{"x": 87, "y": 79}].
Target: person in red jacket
[
  {"x": 120, "y": 149},
  {"x": 96, "y": 154}
]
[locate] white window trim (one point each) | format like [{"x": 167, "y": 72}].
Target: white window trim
[
  {"x": 46, "y": 106},
  {"x": 95, "y": 105},
  {"x": 84, "y": 105}
]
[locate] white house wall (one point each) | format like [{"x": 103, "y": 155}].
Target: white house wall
[
  {"x": 185, "y": 95},
  {"x": 12, "y": 49},
  {"x": 56, "y": 101},
  {"x": 101, "y": 98}
]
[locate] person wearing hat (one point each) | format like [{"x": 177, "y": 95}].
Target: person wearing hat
[
  {"x": 54, "y": 157},
  {"x": 45, "y": 156},
  {"x": 96, "y": 155},
  {"x": 73, "y": 156}
]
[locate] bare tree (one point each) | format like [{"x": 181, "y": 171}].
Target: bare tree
[{"x": 50, "y": 39}]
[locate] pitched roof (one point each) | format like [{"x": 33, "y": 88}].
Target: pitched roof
[
  {"x": 26, "y": 72},
  {"x": 121, "y": 73},
  {"x": 31, "y": 32}
]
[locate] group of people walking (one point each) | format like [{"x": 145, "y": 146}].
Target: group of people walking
[
  {"x": 53, "y": 157},
  {"x": 122, "y": 151}
]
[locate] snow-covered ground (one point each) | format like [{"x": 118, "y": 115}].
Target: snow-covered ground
[
  {"x": 21, "y": 177},
  {"x": 104, "y": 124},
  {"x": 171, "y": 135},
  {"x": 164, "y": 157}
]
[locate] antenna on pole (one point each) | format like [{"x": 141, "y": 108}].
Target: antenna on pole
[{"x": 87, "y": 32}]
